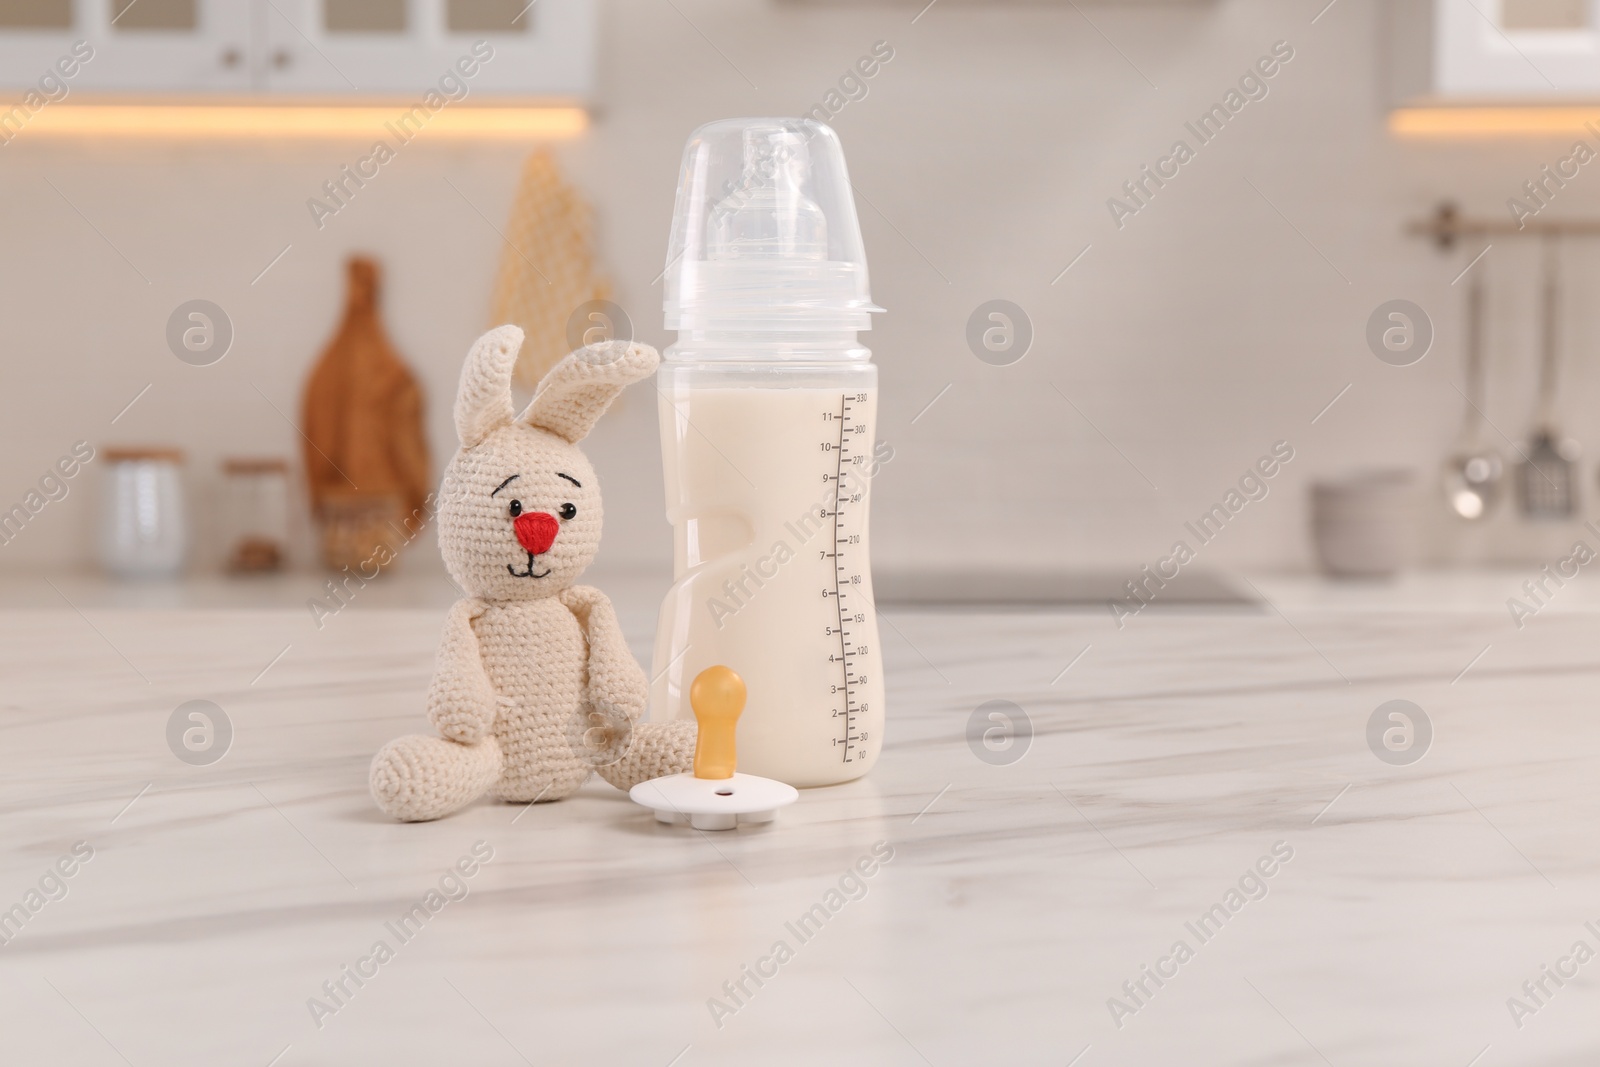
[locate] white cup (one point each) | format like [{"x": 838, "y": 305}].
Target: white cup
[{"x": 1364, "y": 525}]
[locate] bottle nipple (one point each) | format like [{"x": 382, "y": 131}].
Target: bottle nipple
[
  {"x": 717, "y": 696},
  {"x": 766, "y": 214}
]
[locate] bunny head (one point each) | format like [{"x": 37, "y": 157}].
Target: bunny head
[{"x": 519, "y": 510}]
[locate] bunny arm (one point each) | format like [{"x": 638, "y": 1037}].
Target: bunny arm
[
  {"x": 461, "y": 700},
  {"x": 616, "y": 682}
]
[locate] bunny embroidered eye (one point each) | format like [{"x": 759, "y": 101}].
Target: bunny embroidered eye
[
  {"x": 516, "y": 508},
  {"x": 568, "y": 511}
]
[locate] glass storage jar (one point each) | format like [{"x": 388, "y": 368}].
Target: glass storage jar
[
  {"x": 255, "y": 513},
  {"x": 144, "y": 532}
]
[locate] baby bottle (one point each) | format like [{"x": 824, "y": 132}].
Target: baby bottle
[{"x": 768, "y": 404}]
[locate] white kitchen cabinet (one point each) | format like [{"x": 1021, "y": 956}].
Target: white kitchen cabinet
[
  {"x": 152, "y": 46},
  {"x": 1524, "y": 51},
  {"x": 406, "y": 47},
  {"x": 306, "y": 48}
]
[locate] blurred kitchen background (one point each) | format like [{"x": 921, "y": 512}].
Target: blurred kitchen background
[{"x": 1171, "y": 348}]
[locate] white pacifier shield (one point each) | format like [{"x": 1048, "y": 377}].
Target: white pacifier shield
[{"x": 714, "y": 803}]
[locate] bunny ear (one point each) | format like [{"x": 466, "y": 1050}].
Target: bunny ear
[
  {"x": 483, "y": 403},
  {"x": 577, "y": 391}
]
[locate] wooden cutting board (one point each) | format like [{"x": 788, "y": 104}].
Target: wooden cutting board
[{"x": 361, "y": 414}]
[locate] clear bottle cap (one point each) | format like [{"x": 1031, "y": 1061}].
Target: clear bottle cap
[{"x": 764, "y": 232}]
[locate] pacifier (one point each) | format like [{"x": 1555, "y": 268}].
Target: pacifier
[{"x": 715, "y": 796}]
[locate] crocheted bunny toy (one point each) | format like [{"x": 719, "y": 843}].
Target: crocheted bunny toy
[{"x": 534, "y": 687}]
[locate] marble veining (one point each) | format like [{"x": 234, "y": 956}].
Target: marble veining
[{"x": 1163, "y": 763}]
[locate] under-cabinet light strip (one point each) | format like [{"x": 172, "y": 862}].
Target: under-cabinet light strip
[
  {"x": 1497, "y": 121},
  {"x": 304, "y": 120}
]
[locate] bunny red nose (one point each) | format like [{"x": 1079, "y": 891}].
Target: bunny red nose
[{"x": 536, "y": 531}]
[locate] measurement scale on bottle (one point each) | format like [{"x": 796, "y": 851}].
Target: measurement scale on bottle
[{"x": 849, "y": 562}]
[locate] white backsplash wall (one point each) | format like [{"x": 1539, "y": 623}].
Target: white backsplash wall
[{"x": 1219, "y": 319}]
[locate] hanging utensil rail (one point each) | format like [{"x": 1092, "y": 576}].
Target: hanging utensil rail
[{"x": 1447, "y": 225}]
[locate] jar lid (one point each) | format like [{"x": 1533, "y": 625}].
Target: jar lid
[
  {"x": 143, "y": 453},
  {"x": 255, "y": 465}
]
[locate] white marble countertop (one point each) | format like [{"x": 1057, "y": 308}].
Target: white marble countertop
[
  {"x": 420, "y": 582},
  {"x": 1164, "y": 764}
]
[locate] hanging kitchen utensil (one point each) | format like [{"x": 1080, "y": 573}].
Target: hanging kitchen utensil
[
  {"x": 1474, "y": 474},
  {"x": 366, "y": 456},
  {"x": 1546, "y": 478}
]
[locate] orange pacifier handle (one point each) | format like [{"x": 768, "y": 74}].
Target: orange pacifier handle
[{"x": 717, "y": 696}]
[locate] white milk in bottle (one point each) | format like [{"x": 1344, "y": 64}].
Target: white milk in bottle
[{"x": 768, "y": 406}]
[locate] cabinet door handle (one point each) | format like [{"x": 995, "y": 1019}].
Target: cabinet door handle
[
  {"x": 232, "y": 57},
  {"x": 282, "y": 58}
]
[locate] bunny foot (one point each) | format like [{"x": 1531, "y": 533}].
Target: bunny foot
[
  {"x": 417, "y": 778},
  {"x": 658, "y": 749}
]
